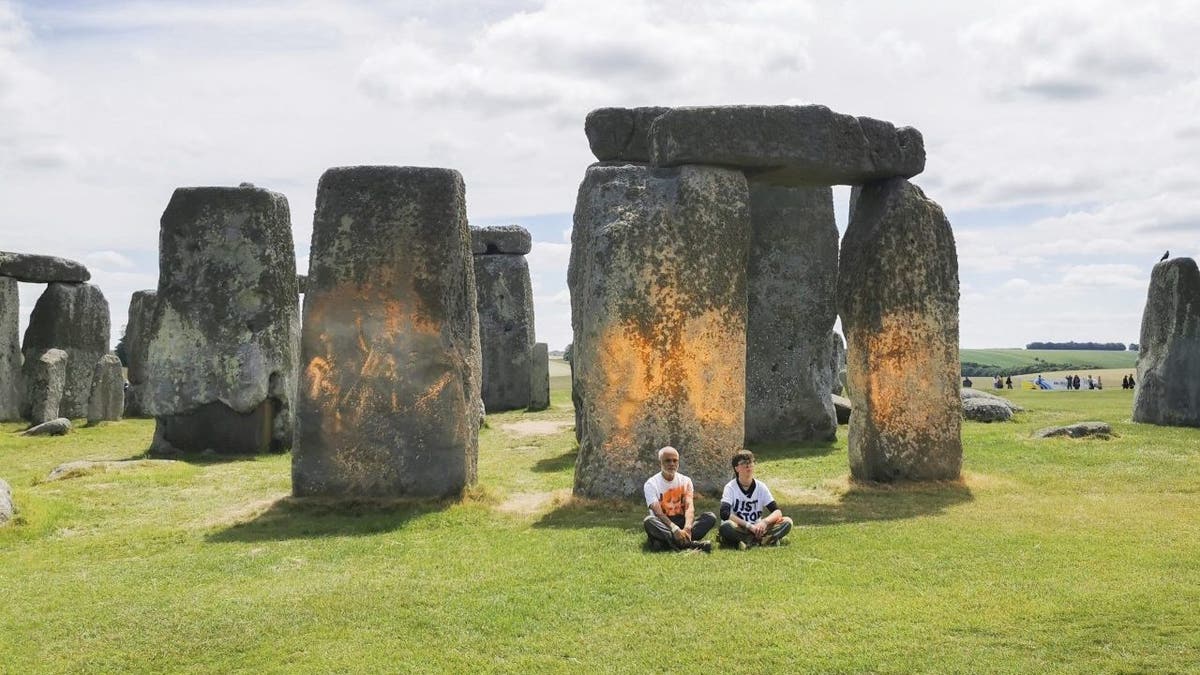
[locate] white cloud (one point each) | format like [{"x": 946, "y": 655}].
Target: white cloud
[
  {"x": 568, "y": 57},
  {"x": 108, "y": 260},
  {"x": 1072, "y": 51}
]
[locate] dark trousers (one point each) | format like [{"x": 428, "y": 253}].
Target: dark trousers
[
  {"x": 731, "y": 534},
  {"x": 657, "y": 531}
]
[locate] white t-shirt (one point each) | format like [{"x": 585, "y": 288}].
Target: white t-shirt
[
  {"x": 670, "y": 495},
  {"x": 747, "y": 506}
]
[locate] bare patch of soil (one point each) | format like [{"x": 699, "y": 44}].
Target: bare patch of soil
[{"x": 537, "y": 427}]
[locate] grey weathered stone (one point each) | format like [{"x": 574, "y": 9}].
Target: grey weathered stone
[
  {"x": 505, "y": 302},
  {"x": 45, "y": 375},
  {"x": 621, "y": 133},
  {"x": 1078, "y": 430},
  {"x": 41, "y": 269},
  {"x": 222, "y": 357},
  {"x": 842, "y": 406},
  {"x": 107, "y": 400},
  {"x": 837, "y": 361},
  {"x": 791, "y": 278},
  {"x": 898, "y": 300},
  {"x": 576, "y": 402},
  {"x": 539, "y": 377},
  {"x": 510, "y": 239},
  {"x": 1168, "y": 366},
  {"x": 10, "y": 350},
  {"x": 6, "y": 502},
  {"x": 389, "y": 395},
  {"x": 75, "y": 319},
  {"x": 137, "y": 349},
  {"x": 658, "y": 308},
  {"x": 981, "y": 409},
  {"x": 787, "y": 145},
  {"x": 967, "y": 393},
  {"x": 58, "y": 426}
]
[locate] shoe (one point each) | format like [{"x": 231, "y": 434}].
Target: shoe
[
  {"x": 742, "y": 546},
  {"x": 705, "y": 546},
  {"x": 768, "y": 540}
]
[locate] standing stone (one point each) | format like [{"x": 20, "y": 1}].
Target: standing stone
[
  {"x": 898, "y": 299},
  {"x": 221, "y": 361},
  {"x": 45, "y": 377},
  {"x": 837, "y": 361},
  {"x": 10, "y": 350},
  {"x": 137, "y": 349},
  {"x": 389, "y": 392},
  {"x": 658, "y": 307},
  {"x": 539, "y": 377},
  {"x": 505, "y": 302},
  {"x": 41, "y": 269},
  {"x": 791, "y": 279},
  {"x": 107, "y": 400},
  {"x": 1168, "y": 367},
  {"x": 75, "y": 319}
]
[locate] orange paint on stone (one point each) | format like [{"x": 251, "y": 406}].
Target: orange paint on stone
[
  {"x": 389, "y": 326},
  {"x": 693, "y": 371},
  {"x": 904, "y": 360}
]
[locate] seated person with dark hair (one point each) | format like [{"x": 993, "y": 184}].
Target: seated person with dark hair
[{"x": 749, "y": 514}]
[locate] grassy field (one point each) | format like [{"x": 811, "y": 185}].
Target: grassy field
[
  {"x": 1057, "y": 555},
  {"x": 1014, "y": 358}
]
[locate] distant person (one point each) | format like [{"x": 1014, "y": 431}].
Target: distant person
[
  {"x": 967, "y": 383},
  {"x": 749, "y": 514},
  {"x": 1099, "y": 383},
  {"x": 1132, "y": 384},
  {"x": 1076, "y": 383},
  {"x": 1124, "y": 381},
  {"x": 997, "y": 383},
  {"x": 1091, "y": 383},
  {"x": 1040, "y": 382},
  {"x": 1008, "y": 381},
  {"x": 672, "y": 523}
]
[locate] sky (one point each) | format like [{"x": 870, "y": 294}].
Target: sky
[{"x": 1062, "y": 138}]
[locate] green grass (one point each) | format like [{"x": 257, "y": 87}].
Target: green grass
[
  {"x": 1051, "y": 555},
  {"x": 1014, "y": 358}
]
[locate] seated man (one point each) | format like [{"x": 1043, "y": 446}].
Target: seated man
[
  {"x": 743, "y": 504},
  {"x": 672, "y": 522}
]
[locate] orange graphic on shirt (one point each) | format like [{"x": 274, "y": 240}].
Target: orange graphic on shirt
[{"x": 673, "y": 502}]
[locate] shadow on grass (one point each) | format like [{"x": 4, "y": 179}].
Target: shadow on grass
[
  {"x": 859, "y": 503},
  {"x": 561, "y": 463},
  {"x": 867, "y": 502},
  {"x": 292, "y": 518},
  {"x": 770, "y": 451}
]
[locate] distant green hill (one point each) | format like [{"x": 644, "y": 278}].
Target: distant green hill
[{"x": 1017, "y": 361}]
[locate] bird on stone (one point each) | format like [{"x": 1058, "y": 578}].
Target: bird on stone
[{"x": 1165, "y": 255}]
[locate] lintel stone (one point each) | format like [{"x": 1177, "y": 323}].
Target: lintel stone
[
  {"x": 508, "y": 239},
  {"x": 41, "y": 269},
  {"x": 787, "y": 145}
]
